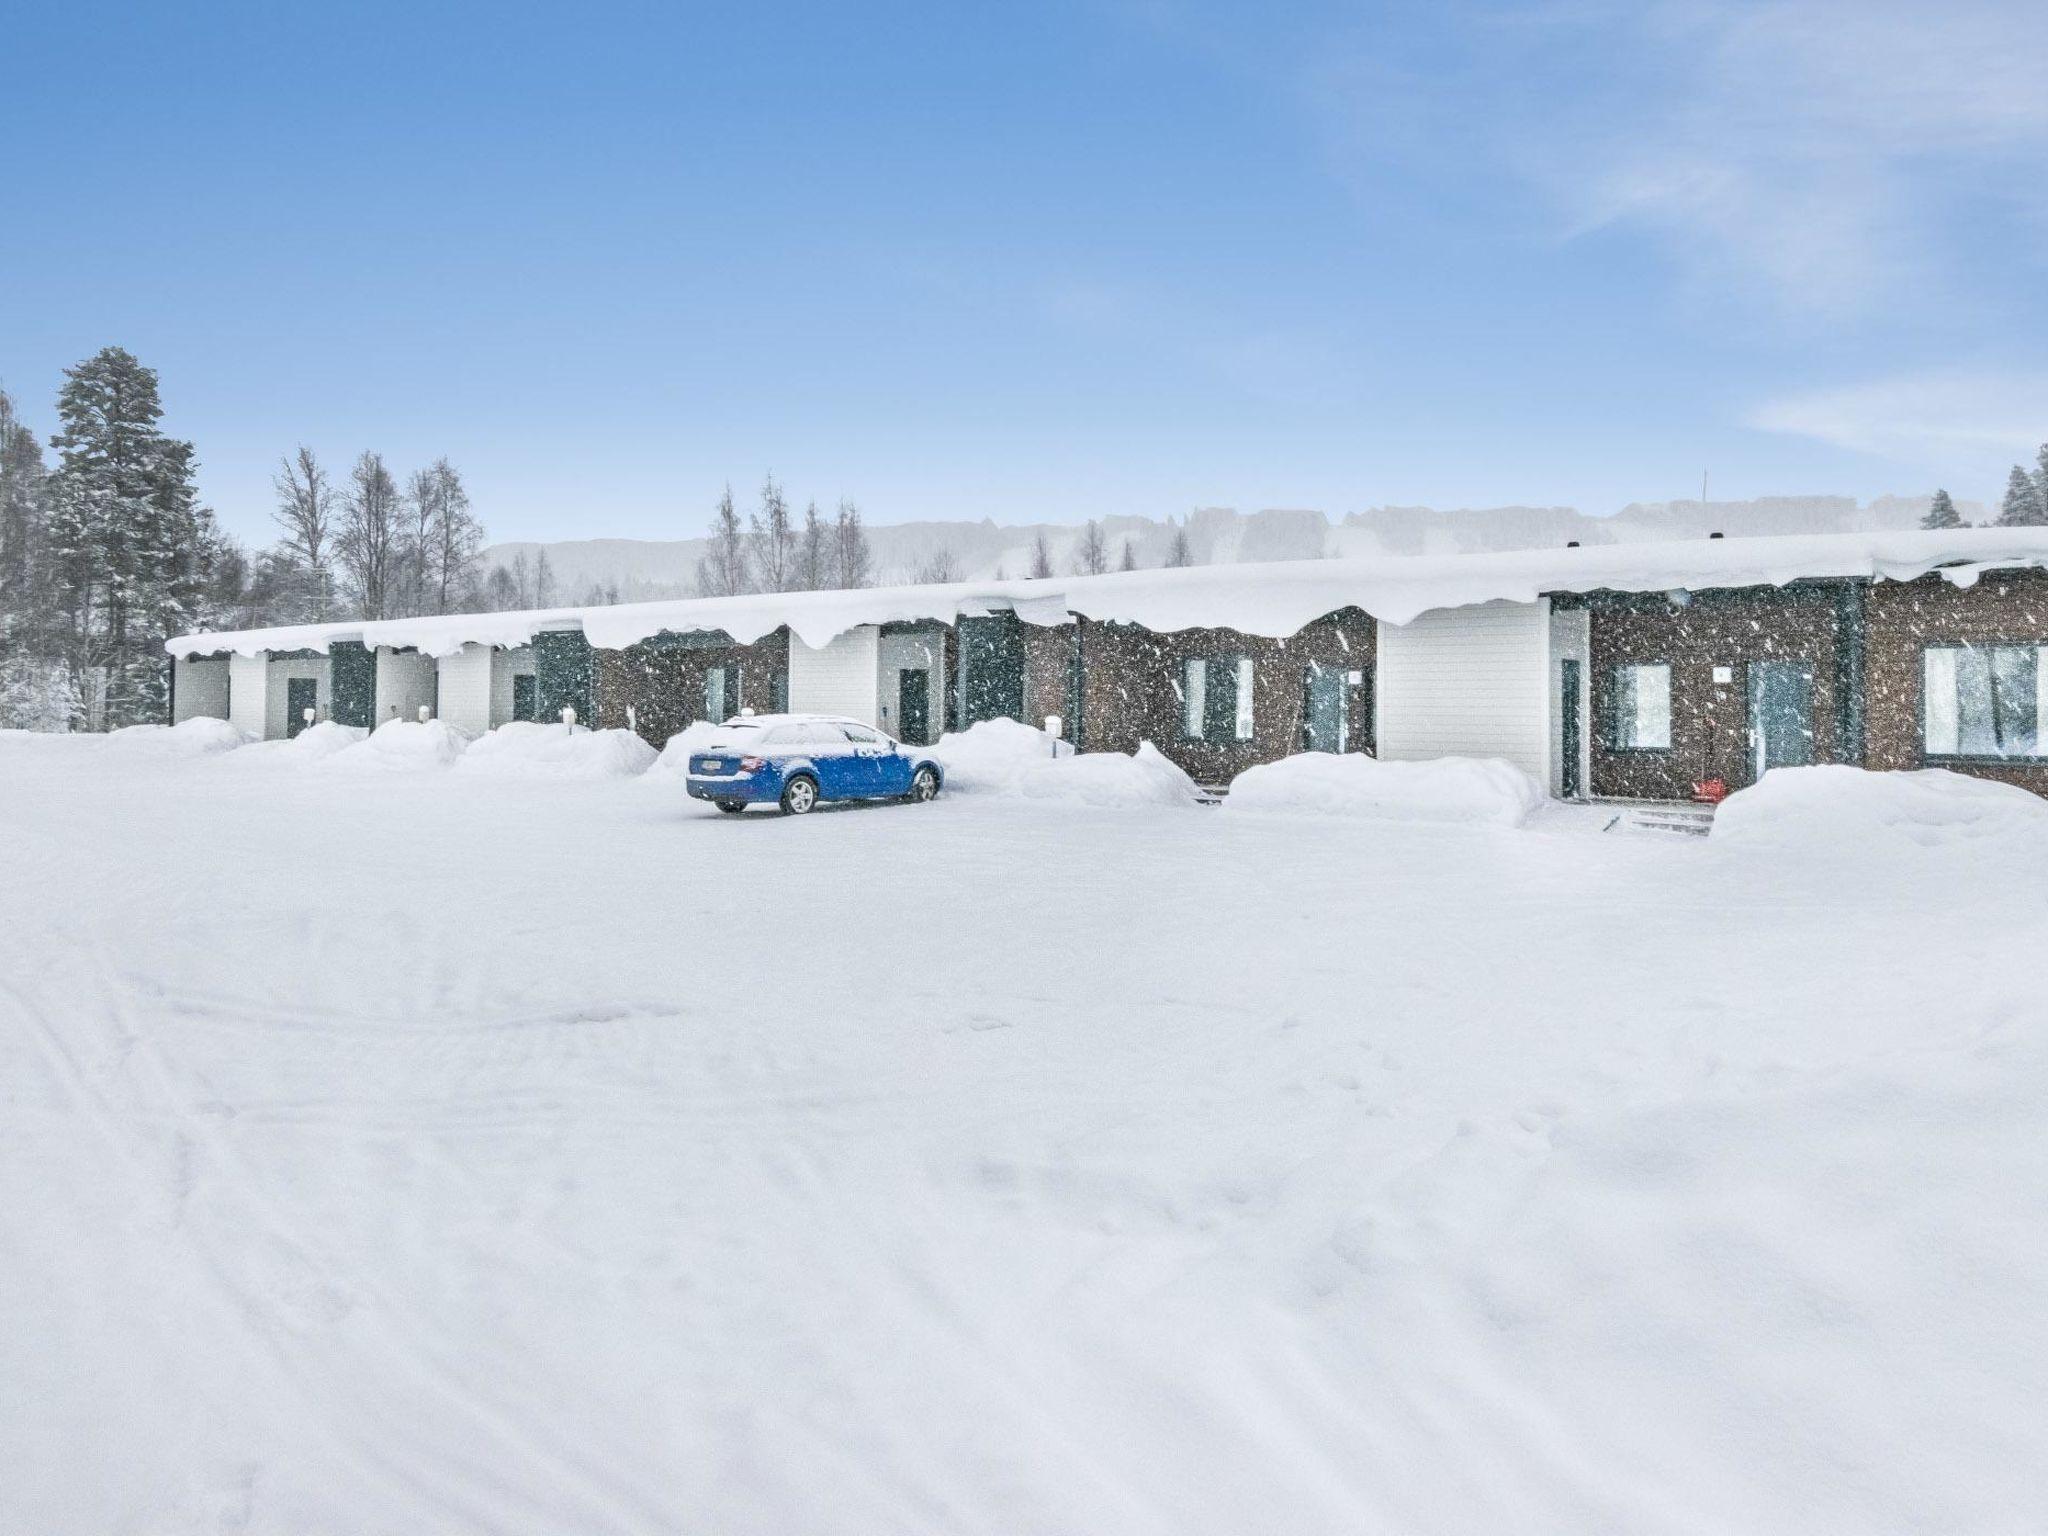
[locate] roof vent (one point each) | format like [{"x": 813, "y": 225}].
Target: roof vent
[{"x": 1715, "y": 534}]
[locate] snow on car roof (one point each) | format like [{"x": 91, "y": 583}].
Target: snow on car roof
[{"x": 1272, "y": 599}]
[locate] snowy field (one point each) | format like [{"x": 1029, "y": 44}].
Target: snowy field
[{"x": 423, "y": 1152}]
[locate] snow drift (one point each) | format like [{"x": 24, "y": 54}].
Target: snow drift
[
  {"x": 1833, "y": 806},
  {"x": 200, "y": 736},
  {"x": 405, "y": 745},
  {"x": 546, "y": 750},
  {"x": 992, "y": 755},
  {"x": 1481, "y": 790},
  {"x": 674, "y": 761},
  {"x": 1145, "y": 777},
  {"x": 315, "y": 743}
]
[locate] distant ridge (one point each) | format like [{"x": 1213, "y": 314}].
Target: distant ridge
[{"x": 658, "y": 568}]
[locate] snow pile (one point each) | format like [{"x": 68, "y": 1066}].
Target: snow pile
[
  {"x": 1109, "y": 779},
  {"x": 1838, "y": 807},
  {"x": 536, "y": 750},
  {"x": 200, "y": 736},
  {"x": 1466, "y": 789},
  {"x": 994, "y": 754},
  {"x": 674, "y": 761},
  {"x": 313, "y": 744},
  {"x": 405, "y": 745}
]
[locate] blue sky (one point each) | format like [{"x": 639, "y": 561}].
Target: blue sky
[{"x": 1051, "y": 260}]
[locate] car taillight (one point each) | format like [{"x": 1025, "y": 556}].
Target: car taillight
[{"x": 753, "y": 764}]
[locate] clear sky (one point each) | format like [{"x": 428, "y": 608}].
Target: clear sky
[{"x": 1052, "y": 259}]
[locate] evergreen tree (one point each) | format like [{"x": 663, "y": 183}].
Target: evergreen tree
[
  {"x": 1941, "y": 513},
  {"x": 1130, "y": 559},
  {"x": 1091, "y": 558},
  {"x": 129, "y": 541},
  {"x": 305, "y": 517},
  {"x": 853, "y": 562},
  {"x": 1041, "y": 557},
  {"x": 813, "y": 553},
  {"x": 2041, "y": 474},
  {"x": 2022, "y": 506},
  {"x": 22, "y": 498},
  {"x": 1180, "y": 552},
  {"x": 771, "y": 541},
  {"x": 722, "y": 572},
  {"x": 368, "y": 544}
]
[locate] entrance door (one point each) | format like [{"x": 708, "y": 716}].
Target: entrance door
[
  {"x": 300, "y": 695},
  {"x": 1568, "y": 783},
  {"x": 522, "y": 695},
  {"x": 1780, "y": 715},
  {"x": 1325, "y": 714},
  {"x": 914, "y": 705}
]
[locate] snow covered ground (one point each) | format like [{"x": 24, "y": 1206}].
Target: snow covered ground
[{"x": 442, "y": 1152}]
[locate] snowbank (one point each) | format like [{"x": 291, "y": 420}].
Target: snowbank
[
  {"x": 1109, "y": 778},
  {"x": 535, "y": 750},
  {"x": 674, "y": 761},
  {"x": 405, "y": 745},
  {"x": 994, "y": 754},
  {"x": 197, "y": 737},
  {"x": 313, "y": 744},
  {"x": 1835, "y": 806},
  {"x": 1467, "y": 789}
]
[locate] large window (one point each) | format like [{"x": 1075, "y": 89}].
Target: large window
[
  {"x": 1986, "y": 701},
  {"x": 1216, "y": 698},
  {"x": 1641, "y": 696}
]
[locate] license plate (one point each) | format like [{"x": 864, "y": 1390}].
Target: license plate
[{"x": 713, "y": 764}]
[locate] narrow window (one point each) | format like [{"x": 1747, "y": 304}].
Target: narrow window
[
  {"x": 1243, "y": 722},
  {"x": 1642, "y": 708},
  {"x": 714, "y": 694},
  {"x": 1194, "y": 699}
]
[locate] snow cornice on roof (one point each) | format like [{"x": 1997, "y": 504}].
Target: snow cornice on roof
[{"x": 1274, "y": 600}]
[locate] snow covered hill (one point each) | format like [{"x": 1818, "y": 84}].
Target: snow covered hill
[
  {"x": 655, "y": 568},
  {"x": 451, "y": 1153}
]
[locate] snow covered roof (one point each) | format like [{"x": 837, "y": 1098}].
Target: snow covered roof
[{"x": 1261, "y": 599}]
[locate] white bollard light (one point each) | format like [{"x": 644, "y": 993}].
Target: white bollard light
[
  {"x": 569, "y": 715},
  {"x": 1053, "y": 726},
  {"x": 426, "y": 714},
  {"x": 306, "y": 714}
]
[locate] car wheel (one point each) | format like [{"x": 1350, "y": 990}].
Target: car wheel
[
  {"x": 799, "y": 797},
  {"x": 732, "y": 807},
  {"x": 924, "y": 785}
]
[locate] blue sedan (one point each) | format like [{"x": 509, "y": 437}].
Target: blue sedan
[{"x": 799, "y": 761}]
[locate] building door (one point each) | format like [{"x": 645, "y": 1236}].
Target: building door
[
  {"x": 914, "y": 705},
  {"x": 1572, "y": 732},
  {"x": 1780, "y": 715},
  {"x": 300, "y": 695},
  {"x": 1325, "y": 715},
  {"x": 523, "y": 686},
  {"x": 991, "y": 668}
]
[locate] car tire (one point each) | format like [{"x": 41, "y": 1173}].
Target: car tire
[
  {"x": 799, "y": 796},
  {"x": 924, "y": 785},
  {"x": 732, "y": 807}
]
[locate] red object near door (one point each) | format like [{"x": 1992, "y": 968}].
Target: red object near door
[{"x": 1710, "y": 791}]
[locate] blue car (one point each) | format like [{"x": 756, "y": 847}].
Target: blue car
[{"x": 799, "y": 761}]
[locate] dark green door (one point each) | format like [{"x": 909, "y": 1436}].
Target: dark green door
[
  {"x": 523, "y": 687},
  {"x": 355, "y": 682},
  {"x": 914, "y": 705},
  {"x": 300, "y": 695},
  {"x": 1325, "y": 716},
  {"x": 1780, "y": 715},
  {"x": 991, "y": 668},
  {"x": 1571, "y": 729}
]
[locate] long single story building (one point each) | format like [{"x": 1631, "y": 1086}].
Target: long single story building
[{"x": 1624, "y": 671}]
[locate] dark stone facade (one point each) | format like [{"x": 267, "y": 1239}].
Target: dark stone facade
[{"x": 662, "y": 679}]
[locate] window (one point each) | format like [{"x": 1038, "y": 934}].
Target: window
[
  {"x": 1985, "y": 701},
  {"x": 721, "y": 689},
  {"x": 861, "y": 736},
  {"x": 1216, "y": 698},
  {"x": 1642, "y": 708}
]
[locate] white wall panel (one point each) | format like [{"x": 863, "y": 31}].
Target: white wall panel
[
  {"x": 405, "y": 682},
  {"x": 1467, "y": 682},
  {"x": 277, "y": 695},
  {"x": 842, "y": 678},
  {"x": 200, "y": 688},
  {"x": 465, "y": 694},
  {"x": 249, "y": 694}
]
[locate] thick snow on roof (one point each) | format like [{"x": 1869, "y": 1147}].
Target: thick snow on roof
[{"x": 1267, "y": 599}]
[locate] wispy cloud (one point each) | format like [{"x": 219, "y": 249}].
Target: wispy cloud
[{"x": 1956, "y": 423}]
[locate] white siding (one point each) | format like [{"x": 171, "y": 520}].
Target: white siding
[
  {"x": 842, "y": 678},
  {"x": 506, "y": 665},
  {"x": 278, "y": 696},
  {"x": 405, "y": 682},
  {"x": 200, "y": 688},
  {"x": 466, "y": 688},
  {"x": 1571, "y": 639},
  {"x": 249, "y": 694},
  {"x": 1467, "y": 682},
  {"x": 921, "y": 650}
]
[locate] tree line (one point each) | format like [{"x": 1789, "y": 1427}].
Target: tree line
[
  {"x": 107, "y": 553},
  {"x": 2024, "y": 505}
]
